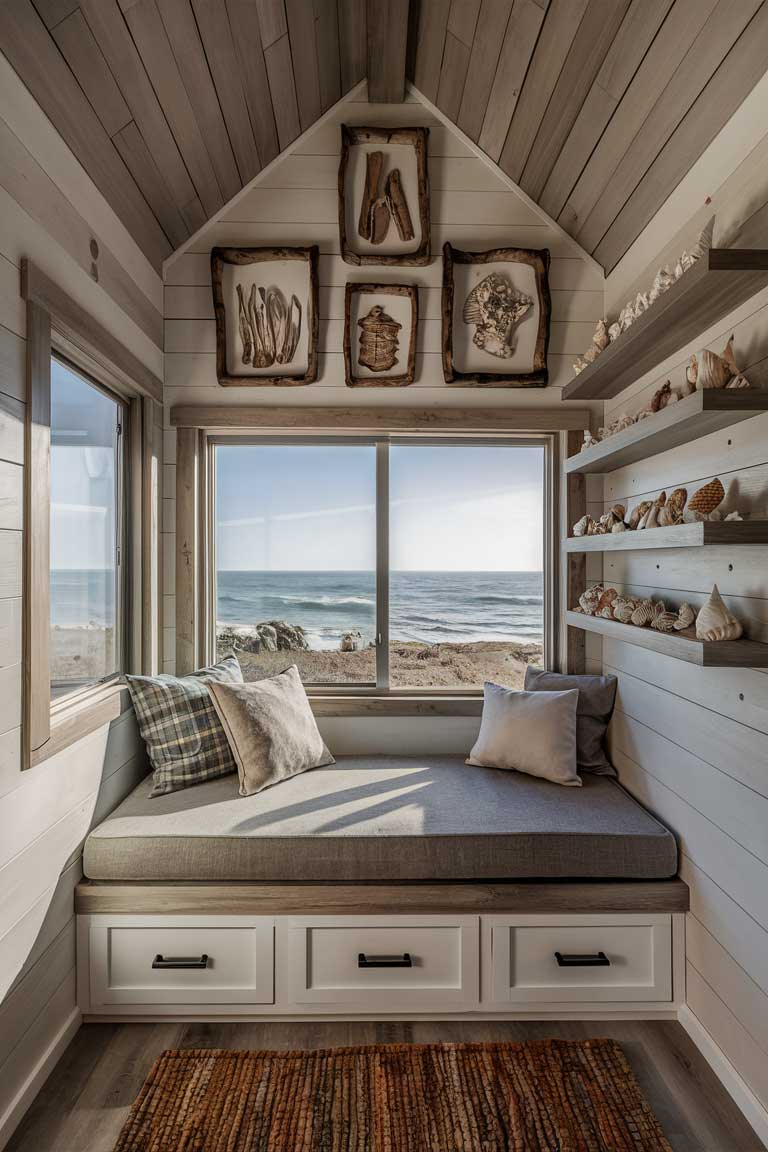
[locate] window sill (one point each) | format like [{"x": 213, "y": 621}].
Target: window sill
[
  {"x": 396, "y": 705},
  {"x": 80, "y": 714}
]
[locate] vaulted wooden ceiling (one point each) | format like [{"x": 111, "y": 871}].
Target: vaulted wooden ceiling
[{"x": 596, "y": 108}]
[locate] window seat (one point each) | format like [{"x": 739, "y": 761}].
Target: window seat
[{"x": 386, "y": 820}]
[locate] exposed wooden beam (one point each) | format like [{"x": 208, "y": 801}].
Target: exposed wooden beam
[
  {"x": 387, "y": 22},
  {"x": 367, "y": 419}
]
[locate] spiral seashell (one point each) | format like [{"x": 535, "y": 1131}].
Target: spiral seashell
[
  {"x": 704, "y": 502},
  {"x": 715, "y": 622},
  {"x": 664, "y": 621},
  {"x": 685, "y": 617},
  {"x": 589, "y": 600},
  {"x": 643, "y": 614},
  {"x": 638, "y": 513}
]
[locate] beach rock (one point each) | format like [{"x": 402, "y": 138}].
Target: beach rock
[
  {"x": 351, "y": 641},
  {"x": 265, "y": 638},
  {"x": 286, "y": 637}
]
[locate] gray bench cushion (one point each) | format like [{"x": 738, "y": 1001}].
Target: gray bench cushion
[{"x": 384, "y": 818}]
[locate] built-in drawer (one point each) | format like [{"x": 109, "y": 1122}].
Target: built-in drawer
[
  {"x": 384, "y": 962},
  {"x": 540, "y": 959},
  {"x": 153, "y": 960}
]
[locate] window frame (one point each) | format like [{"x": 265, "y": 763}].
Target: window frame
[{"x": 382, "y": 689}]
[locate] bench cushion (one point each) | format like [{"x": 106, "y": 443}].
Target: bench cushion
[{"x": 384, "y": 818}]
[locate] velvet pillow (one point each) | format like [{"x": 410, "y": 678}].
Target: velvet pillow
[
  {"x": 185, "y": 741},
  {"x": 531, "y": 732},
  {"x": 271, "y": 729},
  {"x": 597, "y": 695}
]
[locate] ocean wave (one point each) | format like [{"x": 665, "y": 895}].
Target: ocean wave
[{"x": 332, "y": 602}]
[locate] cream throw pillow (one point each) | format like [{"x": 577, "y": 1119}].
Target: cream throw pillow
[
  {"x": 271, "y": 729},
  {"x": 532, "y": 732}
]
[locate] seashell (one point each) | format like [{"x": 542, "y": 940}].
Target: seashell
[
  {"x": 619, "y": 526},
  {"x": 496, "y": 307},
  {"x": 581, "y": 527},
  {"x": 589, "y": 440},
  {"x": 713, "y": 370},
  {"x": 662, "y": 281},
  {"x": 692, "y": 372},
  {"x": 685, "y": 617},
  {"x": 641, "y": 304},
  {"x": 679, "y": 269},
  {"x": 579, "y": 365},
  {"x": 672, "y": 512},
  {"x": 619, "y": 511},
  {"x": 607, "y": 599},
  {"x": 658, "y": 607},
  {"x": 614, "y": 331},
  {"x": 687, "y": 260},
  {"x": 601, "y": 340},
  {"x": 589, "y": 599},
  {"x": 623, "y": 607},
  {"x": 664, "y": 621},
  {"x": 738, "y": 381},
  {"x": 637, "y": 514},
  {"x": 593, "y": 528},
  {"x": 734, "y": 516},
  {"x": 660, "y": 398},
  {"x": 627, "y": 316},
  {"x": 715, "y": 622},
  {"x": 643, "y": 614},
  {"x": 704, "y": 241},
  {"x": 704, "y": 502}
]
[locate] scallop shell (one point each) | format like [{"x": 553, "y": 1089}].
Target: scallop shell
[
  {"x": 637, "y": 514},
  {"x": 715, "y": 622},
  {"x": 589, "y": 600},
  {"x": 704, "y": 502},
  {"x": 643, "y": 614},
  {"x": 685, "y": 617},
  {"x": 664, "y": 621}
]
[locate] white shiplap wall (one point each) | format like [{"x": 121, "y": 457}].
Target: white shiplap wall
[
  {"x": 692, "y": 743},
  {"x": 46, "y": 811}
]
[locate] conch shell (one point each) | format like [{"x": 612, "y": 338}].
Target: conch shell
[
  {"x": 704, "y": 502},
  {"x": 715, "y": 622},
  {"x": 672, "y": 512},
  {"x": 713, "y": 371}
]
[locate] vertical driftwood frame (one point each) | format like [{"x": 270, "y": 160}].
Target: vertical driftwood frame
[
  {"x": 402, "y": 379},
  {"x": 243, "y": 256},
  {"x": 417, "y": 138},
  {"x": 536, "y": 258}
]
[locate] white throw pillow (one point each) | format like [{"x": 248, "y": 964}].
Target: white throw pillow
[{"x": 532, "y": 732}]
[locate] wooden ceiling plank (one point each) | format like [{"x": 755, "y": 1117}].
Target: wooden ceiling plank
[
  {"x": 731, "y": 84},
  {"x": 517, "y": 49},
  {"x": 132, "y": 147},
  {"x": 53, "y": 11},
  {"x": 462, "y": 20},
  {"x": 213, "y": 22},
  {"x": 194, "y": 214},
  {"x": 430, "y": 41},
  {"x": 681, "y": 27},
  {"x": 561, "y": 24},
  {"x": 483, "y": 61},
  {"x": 149, "y": 35},
  {"x": 246, "y": 33},
  {"x": 108, "y": 26},
  {"x": 31, "y": 51},
  {"x": 86, "y": 60},
  {"x": 272, "y": 21},
  {"x": 452, "y": 76},
  {"x": 719, "y": 33},
  {"x": 624, "y": 57},
  {"x": 280, "y": 73},
  {"x": 353, "y": 46},
  {"x": 596, "y": 33},
  {"x": 301, "y": 34},
  {"x": 328, "y": 58},
  {"x": 181, "y": 30},
  {"x": 387, "y": 29}
]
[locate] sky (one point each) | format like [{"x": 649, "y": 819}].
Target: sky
[{"x": 312, "y": 508}]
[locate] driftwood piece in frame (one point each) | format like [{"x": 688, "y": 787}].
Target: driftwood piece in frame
[
  {"x": 265, "y": 326},
  {"x": 355, "y": 310},
  {"x": 526, "y": 348},
  {"x": 395, "y": 197}
]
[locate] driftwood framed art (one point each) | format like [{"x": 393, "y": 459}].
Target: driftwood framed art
[
  {"x": 265, "y": 301},
  {"x": 384, "y": 196},
  {"x": 496, "y": 311},
  {"x": 380, "y": 325}
]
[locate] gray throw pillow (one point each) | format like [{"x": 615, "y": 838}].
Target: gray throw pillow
[
  {"x": 185, "y": 741},
  {"x": 531, "y": 732},
  {"x": 597, "y": 695},
  {"x": 271, "y": 729}
]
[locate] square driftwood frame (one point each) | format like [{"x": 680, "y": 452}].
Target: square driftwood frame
[
  {"x": 417, "y": 138},
  {"x": 404, "y": 378},
  {"x": 538, "y": 259},
  {"x": 242, "y": 256}
]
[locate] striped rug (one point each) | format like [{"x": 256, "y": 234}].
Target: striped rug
[{"x": 553, "y": 1095}]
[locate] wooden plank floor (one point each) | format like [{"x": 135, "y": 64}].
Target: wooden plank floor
[{"x": 87, "y": 1098}]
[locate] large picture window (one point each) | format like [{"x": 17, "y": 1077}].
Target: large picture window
[{"x": 382, "y": 563}]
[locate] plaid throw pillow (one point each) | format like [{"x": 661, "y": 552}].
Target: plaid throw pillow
[{"x": 185, "y": 741}]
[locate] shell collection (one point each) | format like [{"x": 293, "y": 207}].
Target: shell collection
[
  {"x": 663, "y": 512},
  {"x": 715, "y": 622},
  {"x": 634, "y": 309},
  {"x": 496, "y": 307},
  {"x": 609, "y": 604}
]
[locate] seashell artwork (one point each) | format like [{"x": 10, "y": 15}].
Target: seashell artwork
[
  {"x": 496, "y": 307},
  {"x": 378, "y": 340},
  {"x": 638, "y": 513},
  {"x": 269, "y": 330},
  {"x": 672, "y": 512},
  {"x": 685, "y": 617},
  {"x": 589, "y": 600},
  {"x": 643, "y": 614},
  {"x": 715, "y": 622},
  {"x": 664, "y": 621},
  {"x": 704, "y": 502}
]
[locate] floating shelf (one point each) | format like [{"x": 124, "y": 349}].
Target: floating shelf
[
  {"x": 680, "y": 645},
  {"x": 696, "y": 415},
  {"x": 703, "y": 295},
  {"x": 698, "y": 535}
]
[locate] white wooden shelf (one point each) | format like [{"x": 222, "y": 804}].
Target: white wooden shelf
[
  {"x": 680, "y": 645},
  {"x": 697, "y": 535}
]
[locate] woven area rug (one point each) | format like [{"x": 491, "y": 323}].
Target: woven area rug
[{"x": 553, "y": 1095}]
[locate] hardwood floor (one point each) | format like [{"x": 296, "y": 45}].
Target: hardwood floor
[{"x": 87, "y": 1098}]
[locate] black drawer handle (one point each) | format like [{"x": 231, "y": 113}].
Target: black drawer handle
[
  {"x": 574, "y": 960},
  {"x": 180, "y": 961},
  {"x": 403, "y": 961}
]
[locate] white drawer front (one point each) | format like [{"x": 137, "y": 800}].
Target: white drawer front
[
  {"x": 384, "y": 961},
  {"x": 167, "y": 963},
  {"x": 537, "y": 960}
]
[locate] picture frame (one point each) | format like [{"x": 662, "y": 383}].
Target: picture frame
[
  {"x": 486, "y": 328},
  {"x": 401, "y": 174},
  {"x": 265, "y": 301},
  {"x": 375, "y": 318}
]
